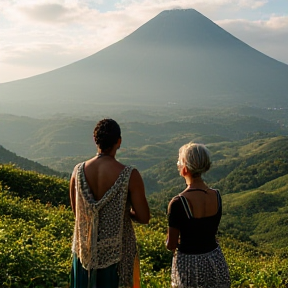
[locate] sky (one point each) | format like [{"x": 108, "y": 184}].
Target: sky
[{"x": 37, "y": 36}]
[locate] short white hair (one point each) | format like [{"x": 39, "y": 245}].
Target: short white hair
[{"x": 196, "y": 158}]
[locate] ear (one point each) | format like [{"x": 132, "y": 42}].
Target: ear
[
  {"x": 119, "y": 142},
  {"x": 185, "y": 171}
]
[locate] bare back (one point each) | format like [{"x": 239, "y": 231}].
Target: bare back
[
  {"x": 101, "y": 174},
  {"x": 202, "y": 204}
]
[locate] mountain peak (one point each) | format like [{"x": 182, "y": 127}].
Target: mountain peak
[
  {"x": 179, "y": 10},
  {"x": 179, "y": 56},
  {"x": 178, "y": 27}
]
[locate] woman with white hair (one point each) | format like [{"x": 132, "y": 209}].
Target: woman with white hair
[{"x": 194, "y": 216}]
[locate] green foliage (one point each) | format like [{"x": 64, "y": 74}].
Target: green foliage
[
  {"x": 248, "y": 265},
  {"x": 258, "y": 216},
  {"x": 151, "y": 241},
  {"x": 155, "y": 259},
  {"x": 246, "y": 176},
  {"x": 29, "y": 184},
  {"x": 239, "y": 166},
  {"x": 35, "y": 243},
  {"x": 251, "y": 266},
  {"x": 257, "y": 162},
  {"x": 35, "y": 235}
]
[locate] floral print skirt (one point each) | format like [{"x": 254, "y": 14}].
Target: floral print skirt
[{"x": 207, "y": 270}]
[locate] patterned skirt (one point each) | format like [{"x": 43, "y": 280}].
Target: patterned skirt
[{"x": 207, "y": 270}]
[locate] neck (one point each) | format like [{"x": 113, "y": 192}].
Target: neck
[
  {"x": 194, "y": 182},
  {"x": 102, "y": 154}
]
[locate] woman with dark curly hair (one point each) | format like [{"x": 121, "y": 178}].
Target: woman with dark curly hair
[
  {"x": 194, "y": 216},
  {"x": 105, "y": 196}
]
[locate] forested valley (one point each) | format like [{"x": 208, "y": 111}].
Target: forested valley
[{"x": 250, "y": 167}]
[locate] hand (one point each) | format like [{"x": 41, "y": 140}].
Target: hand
[{"x": 133, "y": 215}]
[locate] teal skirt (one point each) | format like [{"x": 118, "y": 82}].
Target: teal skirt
[{"x": 100, "y": 278}]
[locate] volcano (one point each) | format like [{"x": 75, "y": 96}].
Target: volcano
[{"x": 178, "y": 57}]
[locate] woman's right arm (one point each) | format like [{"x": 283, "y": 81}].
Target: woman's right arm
[
  {"x": 173, "y": 222},
  {"x": 140, "y": 209},
  {"x": 73, "y": 192}
]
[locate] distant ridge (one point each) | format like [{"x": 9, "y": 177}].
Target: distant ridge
[
  {"x": 7, "y": 157},
  {"x": 180, "y": 56}
]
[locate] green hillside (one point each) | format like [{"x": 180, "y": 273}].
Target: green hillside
[
  {"x": 34, "y": 242},
  {"x": 257, "y": 163},
  {"x": 236, "y": 166},
  {"x": 260, "y": 215},
  {"x": 30, "y": 184},
  {"x": 35, "y": 237},
  {"x": 7, "y": 157},
  {"x": 148, "y": 135},
  {"x": 250, "y": 167}
]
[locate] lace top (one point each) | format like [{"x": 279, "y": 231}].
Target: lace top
[{"x": 99, "y": 239}]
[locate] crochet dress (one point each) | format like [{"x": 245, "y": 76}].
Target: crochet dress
[{"x": 104, "y": 244}]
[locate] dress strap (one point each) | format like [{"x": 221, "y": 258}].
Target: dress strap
[
  {"x": 195, "y": 189},
  {"x": 186, "y": 206},
  {"x": 219, "y": 199}
]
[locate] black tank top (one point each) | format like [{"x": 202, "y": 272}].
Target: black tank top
[{"x": 197, "y": 235}]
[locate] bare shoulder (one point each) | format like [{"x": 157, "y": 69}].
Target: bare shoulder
[
  {"x": 136, "y": 183},
  {"x": 135, "y": 176},
  {"x": 212, "y": 191},
  {"x": 135, "y": 172},
  {"x": 183, "y": 193}
]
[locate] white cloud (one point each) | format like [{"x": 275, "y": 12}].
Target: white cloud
[
  {"x": 49, "y": 13},
  {"x": 251, "y": 4},
  {"x": 52, "y": 13},
  {"x": 269, "y": 37},
  {"x": 47, "y": 34},
  {"x": 278, "y": 23},
  {"x": 184, "y": 4}
]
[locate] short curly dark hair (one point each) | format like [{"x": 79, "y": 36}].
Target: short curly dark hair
[{"x": 106, "y": 134}]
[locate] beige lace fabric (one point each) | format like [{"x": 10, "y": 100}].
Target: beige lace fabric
[{"x": 103, "y": 232}]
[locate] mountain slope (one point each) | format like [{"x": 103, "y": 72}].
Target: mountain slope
[
  {"x": 180, "y": 56},
  {"x": 237, "y": 166},
  {"x": 30, "y": 184},
  {"x": 31, "y": 232},
  {"x": 259, "y": 215},
  {"x": 49, "y": 141},
  {"x": 7, "y": 157}
]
